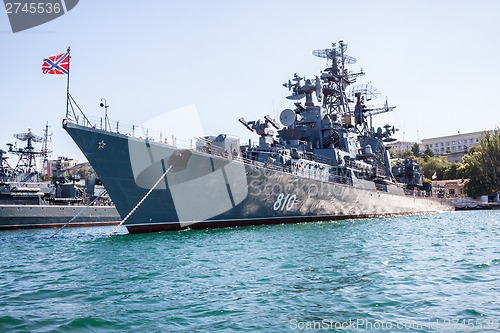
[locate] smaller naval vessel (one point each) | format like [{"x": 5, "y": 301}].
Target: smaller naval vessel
[{"x": 28, "y": 202}]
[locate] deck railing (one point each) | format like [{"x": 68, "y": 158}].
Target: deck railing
[{"x": 200, "y": 143}]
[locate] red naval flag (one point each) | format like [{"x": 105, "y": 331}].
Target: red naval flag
[{"x": 58, "y": 64}]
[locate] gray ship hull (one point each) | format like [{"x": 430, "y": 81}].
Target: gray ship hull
[
  {"x": 54, "y": 216},
  {"x": 200, "y": 190}
]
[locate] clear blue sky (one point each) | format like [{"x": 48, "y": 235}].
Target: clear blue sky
[{"x": 437, "y": 61}]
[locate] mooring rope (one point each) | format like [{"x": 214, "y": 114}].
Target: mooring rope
[
  {"x": 74, "y": 217},
  {"x": 140, "y": 202}
]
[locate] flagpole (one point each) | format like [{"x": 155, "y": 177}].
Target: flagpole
[{"x": 67, "y": 85}]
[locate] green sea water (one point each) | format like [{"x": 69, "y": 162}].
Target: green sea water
[{"x": 429, "y": 273}]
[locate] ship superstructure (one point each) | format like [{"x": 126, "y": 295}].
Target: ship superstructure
[
  {"x": 333, "y": 135},
  {"x": 27, "y": 201}
]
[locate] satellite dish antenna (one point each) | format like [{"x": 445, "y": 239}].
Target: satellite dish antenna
[{"x": 287, "y": 117}]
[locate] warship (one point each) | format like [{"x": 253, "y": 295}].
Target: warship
[
  {"x": 28, "y": 202},
  {"x": 324, "y": 161}
]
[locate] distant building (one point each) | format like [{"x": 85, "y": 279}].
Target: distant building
[
  {"x": 66, "y": 164},
  {"x": 453, "y": 146},
  {"x": 452, "y": 188},
  {"x": 398, "y": 147}
]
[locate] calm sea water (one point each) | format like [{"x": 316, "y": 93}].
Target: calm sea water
[{"x": 426, "y": 273}]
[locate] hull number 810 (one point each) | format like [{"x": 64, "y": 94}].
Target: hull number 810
[{"x": 284, "y": 202}]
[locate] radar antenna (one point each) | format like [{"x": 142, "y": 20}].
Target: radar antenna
[
  {"x": 335, "y": 79},
  {"x": 388, "y": 133},
  {"x": 26, "y": 166},
  {"x": 296, "y": 93},
  {"x": 367, "y": 90},
  {"x": 337, "y": 53},
  {"x": 374, "y": 111}
]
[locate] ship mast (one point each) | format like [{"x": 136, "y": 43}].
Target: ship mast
[
  {"x": 45, "y": 147},
  {"x": 5, "y": 169},
  {"x": 335, "y": 80},
  {"x": 26, "y": 166},
  {"x": 68, "y": 101}
]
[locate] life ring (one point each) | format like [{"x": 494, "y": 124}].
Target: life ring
[{"x": 297, "y": 165}]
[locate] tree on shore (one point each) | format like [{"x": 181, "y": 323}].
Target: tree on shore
[
  {"x": 443, "y": 168},
  {"x": 416, "y": 150},
  {"x": 428, "y": 153},
  {"x": 482, "y": 165}
]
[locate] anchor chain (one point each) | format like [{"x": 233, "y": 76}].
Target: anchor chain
[
  {"x": 140, "y": 202},
  {"x": 81, "y": 211}
]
